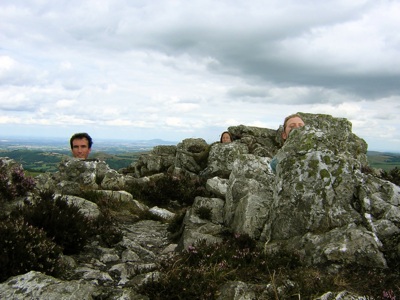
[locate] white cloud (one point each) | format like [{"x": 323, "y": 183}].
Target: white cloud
[
  {"x": 178, "y": 69},
  {"x": 6, "y": 63},
  {"x": 174, "y": 122},
  {"x": 65, "y": 65},
  {"x": 65, "y": 103}
]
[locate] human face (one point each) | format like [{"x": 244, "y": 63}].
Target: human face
[
  {"x": 226, "y": 138},
  {"x": 292, "y": 123},
  {"x": 80, "y": 148}
]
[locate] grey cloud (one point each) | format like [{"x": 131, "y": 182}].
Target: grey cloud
[
  {"x": 247, "y": 92},
  {"x": 368, "y": 86},
  {"x": 21, "y": 107},
  {"x": 189, "y": 101},
  {"x": 144, "y": 55},
  {"x": 72, "y": 85},
  {"x": 252, "y": 48},
  {"x": 289, "y": 95},
  {"x": 19, "y": 75}
]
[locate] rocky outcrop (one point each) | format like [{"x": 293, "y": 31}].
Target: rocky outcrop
[
  {"x": 316, "y": 206},
  {"x": 260, "y": 141},
  {"x": 319, "y": 205},
  {"x": 102, "y": 273},
  {"x": 160, "y": 159},
  {"x": 221, "y": 159}
]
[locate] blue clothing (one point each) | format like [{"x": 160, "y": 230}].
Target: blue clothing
[{"x": 273, "y": 163}]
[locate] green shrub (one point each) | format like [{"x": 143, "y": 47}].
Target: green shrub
[
  {"x": 392, "y": 175},
  {"x": 13, "y": 182},
  {"x": 106, "y": 228},
  {"x": 162, "y": 192},
  {"x": 175, "y": 225},
  {"x": 118, "y": 210},
  {"x": 204, "y": 212},
  {"x": 102, "y": 201},
  {"x": 198, "y": 272},
  {"x": 24, "y": 248},
  {"x": 390, "y": 250},
  {"x": 61, "y": 221},
  {"x": 373, "y": 282}
]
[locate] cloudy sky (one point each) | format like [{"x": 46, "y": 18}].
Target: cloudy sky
[{"x": 140, "y": 69}]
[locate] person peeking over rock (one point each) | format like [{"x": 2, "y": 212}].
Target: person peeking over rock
[
  {"x": 81, "y": 144},
  {"x": 226, "y": 137},
  {"x": 291, "y": 122}
]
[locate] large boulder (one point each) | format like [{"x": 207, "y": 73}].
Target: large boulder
[
  {"x": 259, "y": 141},
  {"x": 221, "y": 158},
  {"x": 160, "y": 159},
  {"x": 35, "y": 285},
  {"x": 319, "y": 204},
  {"x": 195, "y": 228},
  {"x": 76, "y": 175},
  {"x": 192, "y": 155},
  {"x": 317, "y": 208},
  {"x": 249, "y": 195}
]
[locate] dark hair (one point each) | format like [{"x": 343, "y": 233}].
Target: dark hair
[
  {"x": 81, "y": 135},
  {"x": 222, "y": 134}
]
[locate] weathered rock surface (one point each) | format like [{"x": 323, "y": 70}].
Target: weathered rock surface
[
  {"x": 222, "y": 157},
  {"x": 318, "y": 205},
  {"x": 106, "y": 273}
]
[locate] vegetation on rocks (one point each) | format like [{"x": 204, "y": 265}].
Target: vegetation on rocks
[
  {"x": 24, "y": 247},
  {"x": 179, "y": 188},
  {"x": 200, "y": 272},
  {"x": 204, "y": 213},
  {"x": 14, "y": 183},
  {"x": 392, "y": 175},
  {"x": 301, "y": 237},
  {"x": 41, "y": 232},
  {"x": 36, "y": 233},
  {"x": 62, "y": 222}
]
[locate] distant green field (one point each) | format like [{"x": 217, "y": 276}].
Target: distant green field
[
  {"x": 383, "y": 160},
  {"x": 36, "y": 161}
]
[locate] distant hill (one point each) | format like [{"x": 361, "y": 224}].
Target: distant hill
[
  {"x": 383, "y": 160},
  {"x": 38, "y": 155},
  {"x": 36, "y": 161},
  {"x": 44, "y": 156}
]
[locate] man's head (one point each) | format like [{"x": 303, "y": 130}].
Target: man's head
[
  {"x": 292, "y": 121},
  {"x": 81, "y": 144}
]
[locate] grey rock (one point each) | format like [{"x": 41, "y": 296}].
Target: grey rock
[
  {"x": 215, "y": 205},
  {"x": 120, "y": 195},
  {"x": 318, "y": 206},
  {"x": 217, "y": 186},
  {"x": 249, "y": 195},
  {"x": 192, "y": 236},
  {"x": 113, "y": 181},
  {"x": 221, "y": 158},
  {"x": 87, "y": 208},
  {"x": 236, "y": 290},
  {"x": 260, "y": 141},
  {"x": 162, "y": 213},
  {"x": 343, "y": 295},
  {"x": 35, "y": 285},
  {"x": 192, "y": 155},
  {"x": 159, "y": 160}
]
